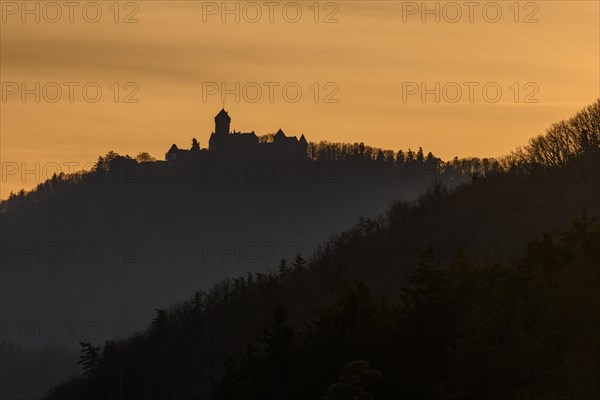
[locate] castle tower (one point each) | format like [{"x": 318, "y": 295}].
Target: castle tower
[{"x": 222, "y": 121}]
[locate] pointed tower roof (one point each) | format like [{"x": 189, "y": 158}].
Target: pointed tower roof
[
  {"x": 223, "y": 115},
  {"x": 279, "y": 135},
  {"x": 302, "y": 138},
  {"x": 173, "y": 148}
]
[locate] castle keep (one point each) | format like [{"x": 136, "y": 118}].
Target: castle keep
[{"x": 224, "y": 144}]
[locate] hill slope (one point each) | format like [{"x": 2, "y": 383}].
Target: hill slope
[{"x": 460, "y": 318}]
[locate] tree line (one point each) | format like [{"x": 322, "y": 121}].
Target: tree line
[{"x": 527, "y": 330}]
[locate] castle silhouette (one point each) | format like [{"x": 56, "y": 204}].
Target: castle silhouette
[{"x": 224, "y": 144}]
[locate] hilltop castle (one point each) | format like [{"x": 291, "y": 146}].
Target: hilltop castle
[{"x": 224, "y": 144}]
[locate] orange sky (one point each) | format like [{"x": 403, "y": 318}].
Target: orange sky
[{"x": 373, "y": 55}]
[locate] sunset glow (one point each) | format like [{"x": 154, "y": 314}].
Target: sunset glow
[{"x": 357, "y": 68}]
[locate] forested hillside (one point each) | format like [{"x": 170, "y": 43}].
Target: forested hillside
[
  {"x": 107, "y": 246},
  {"x": 487, "y": 291},
  {"x": 89, "y": 256}
]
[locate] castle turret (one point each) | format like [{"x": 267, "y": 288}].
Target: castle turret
[
  {"x": 302, "y": 148},
  {"x": 222, "y": 122},
  {"x": 171, "y": 155},
  {"x": 279, "y": 136}
]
